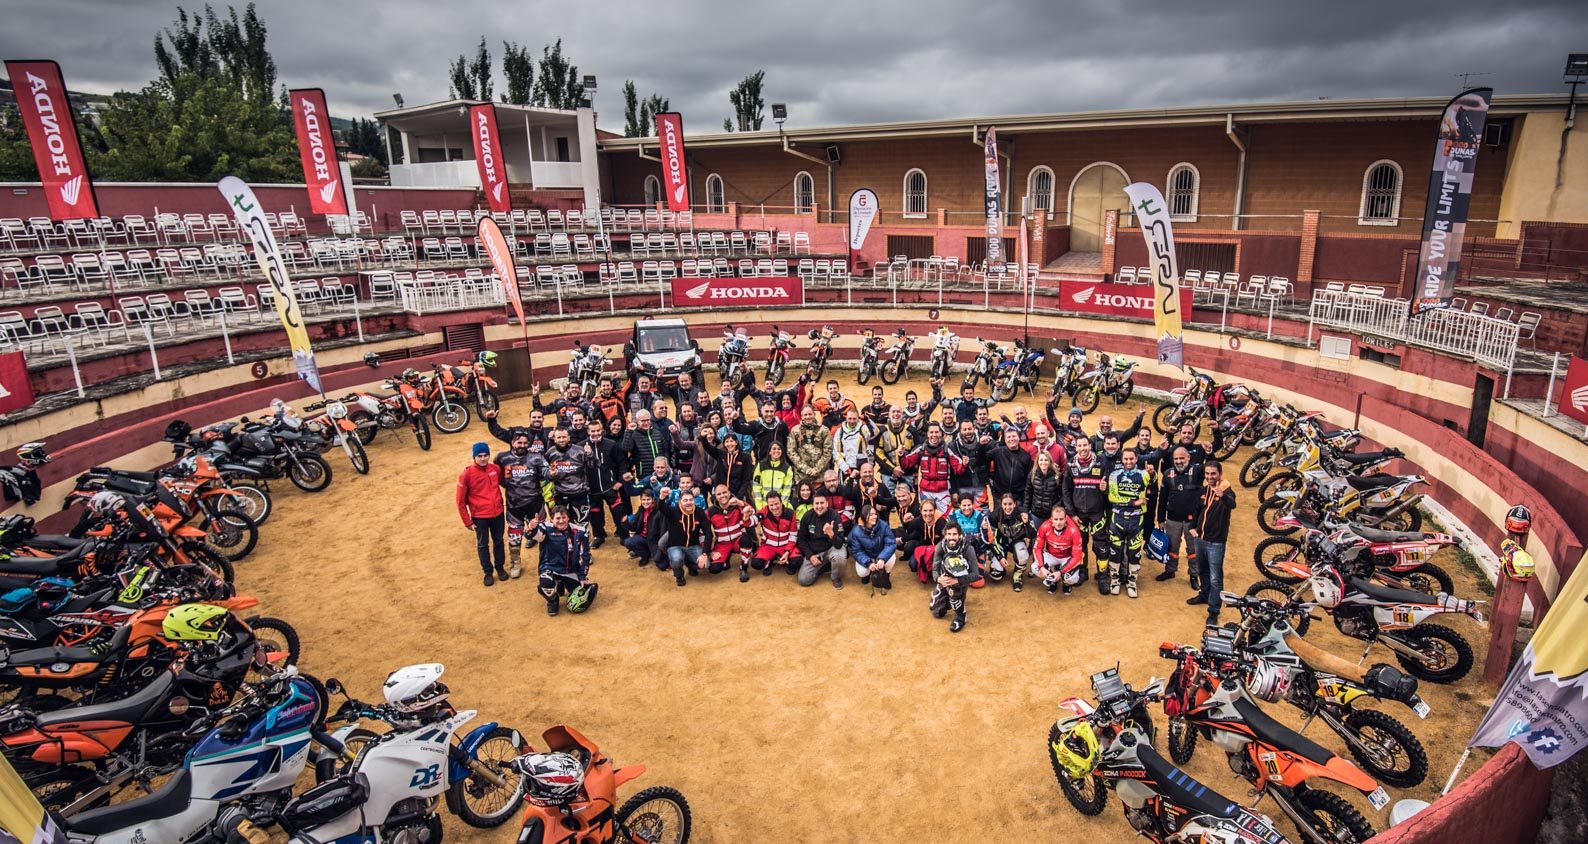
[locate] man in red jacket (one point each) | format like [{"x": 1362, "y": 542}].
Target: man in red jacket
[{"x": 480, "y": 505}]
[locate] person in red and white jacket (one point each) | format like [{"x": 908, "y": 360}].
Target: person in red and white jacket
[
  {"x": 479, "y": 500},
  {"x": 1056, "y": 557},
  {"x": 934, "y": 463},
  {"x": 779, "y": 529},
  {"x": 729, "y": 518}
]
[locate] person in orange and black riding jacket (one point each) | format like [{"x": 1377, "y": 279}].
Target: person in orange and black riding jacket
[
  {"x": 779, "y": 534},
  {"x": 1085, "y": 494}
]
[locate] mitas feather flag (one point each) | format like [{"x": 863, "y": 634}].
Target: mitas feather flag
[
  {"x": 1152, "y": 213},
  {"x": 1543, "y": 706},
  {"x": 251, "y": 219}
]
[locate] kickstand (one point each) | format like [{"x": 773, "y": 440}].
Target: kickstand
[{"x": 1365, "y": 651}]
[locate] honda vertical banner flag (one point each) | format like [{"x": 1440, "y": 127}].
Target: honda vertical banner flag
[
  {"x": 1153, "y": 215},
  {"x": 251, "y": 219},
  {"x": 1449, "y": 191},
  {"x": 1543, "y": 706},
  {"x": 501, "y": 254},
  {"x": 41, "y": 97},
  {"x": 321, "y": 173},
  {"x": 488, "y": 155},
  {"x": 862, "y": 211},
  {"x": 675, "y": 173},
  {"x": 995, "y": 211}
]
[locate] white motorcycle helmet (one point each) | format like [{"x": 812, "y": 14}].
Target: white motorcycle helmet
[
  {"x": 415, "y": 687},
  {"x": 105, "y": 503},
  {"x": 550, "y": 779},
  {"x": 1328, "y": 588},
  {"x": 1268, "y": 682}
]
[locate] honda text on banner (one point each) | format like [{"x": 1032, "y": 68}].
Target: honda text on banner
[
  {"x": 41, "y": 97},
  {"x": 675, "y": 173},
  {"x": 488, "y": 155},
  {"x": 321, "y": 173},
  {"x": 1123, "y": 300},
  {"x": 717, "y": 292}
]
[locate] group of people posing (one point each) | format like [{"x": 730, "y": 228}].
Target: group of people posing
[{"x": 813, "y": 485}]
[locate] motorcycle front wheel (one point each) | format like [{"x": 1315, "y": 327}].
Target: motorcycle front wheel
[
  {"x": 1274, "y": 550},
  {"x": 252, "y": 500},
  {"x": 1125, "y": 391},
  {"x": 1088, "y": 398},
  {"x": 1285, "y": 481},
  {"x": 1088, "y": 794},
  {"x": 863, "y": 374},
  {"x": 356, "y": 454},
  {"x": 1268, "y": 514},
  {"x": 659, "y": 814},
  {"x": 1004, "y": 390},
  {"x": 450, "y": 418},
  {"x": 422, "y": 431},
  {"x": 231, "y": 533},
  {"x": 892, "y": 371},
  {"x": 488, "y": 402},
  {"x": 309, "y": 472},
  {"x": 365, "y": 433},
  {"x": 473, "y": 799},
  {"x": 1279, "y": 593},
  {"x": 1182, "y": 740},
  {"x": 276, "y": 636},
  {"x": 1163, "y": 418},
  {"x": 1332, "y": 818},
  {"x": 1256, "y": 468},
  {"x": 774, "y": 372}
]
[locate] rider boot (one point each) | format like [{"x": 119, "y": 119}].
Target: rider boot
[{"x": 514, "y": 570}]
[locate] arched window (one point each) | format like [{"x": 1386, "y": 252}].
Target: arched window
[
  {"x": 714, "y": 195},
  {"x": 804, "y": 193},
  {"x": 653, "y": 191},
  {"x": 1039, "y": 190},
  {"x": 1381, "y": 194},
  {"x": 915, "y": 193},
  {"x": 1184, "y": 185}
]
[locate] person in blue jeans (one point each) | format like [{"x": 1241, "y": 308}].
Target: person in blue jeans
[{"x": 1211, "y": 530}]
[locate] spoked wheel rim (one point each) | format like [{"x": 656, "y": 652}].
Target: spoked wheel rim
[
  {"x": 488, "y": 800},
  {"x": 1386, "y": 753},
  {"x": 653, "y": 820},
  {"x": 248, "y": 500}
]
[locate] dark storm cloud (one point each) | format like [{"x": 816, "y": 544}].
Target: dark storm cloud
[{"x": 860, "y": 61}]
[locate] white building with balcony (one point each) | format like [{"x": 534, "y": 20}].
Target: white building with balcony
[{"x": 545, "y": 148}]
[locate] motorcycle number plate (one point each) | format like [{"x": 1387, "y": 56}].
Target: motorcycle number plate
[
  {"x": 1270, "y": 761},
  {"x": 1422, "y": 709},
  {"x": 1404, "y": 617},
  {"x": 1378, "y": 798}
]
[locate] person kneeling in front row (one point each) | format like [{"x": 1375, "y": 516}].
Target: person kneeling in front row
[
  {"x": 564, "y": 563},
  {"x": 874, "y": 549},
  {"x": 821, "y": 543},
  {"x": 954, "y": 568}
]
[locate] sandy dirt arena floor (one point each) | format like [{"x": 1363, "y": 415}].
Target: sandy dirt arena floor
[{"x": 782, "y": 713}]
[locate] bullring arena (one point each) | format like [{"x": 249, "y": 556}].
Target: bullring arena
[{"x": 806, "y": 713}]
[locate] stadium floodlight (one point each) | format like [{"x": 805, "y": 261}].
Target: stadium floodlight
[
  {"x": 590, "y": 85},
  {"x": 779, "y": 113},
  {"x": 588, "y": 98},
  {"x": 398, "y": 99},
  {"x": 1577, "y": 68}
]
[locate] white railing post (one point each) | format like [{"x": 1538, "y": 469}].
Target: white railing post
[
  {"x": 1549, "y": 392},
  {"x": 559, "y": 294},
  {"x": 71, "y": 355},
  {"x": 358, "y": 321},
  {"x": 226, "y": 336},
  {"x": 1273, "y": 302},
  {"x": 154, "y": 358},
  {"x": 1224, "y": 316}
]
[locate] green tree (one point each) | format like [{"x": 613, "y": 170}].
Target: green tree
[
  {"x": 462, "y": 82},
  {"x": 519, "y": 70},
  {"x": 747, "y": 104},
  {"x": 631, "y": 111},
  {"x": 195, "y": 128},
  {"x": 369, "y": 168},
  {"x": 471, "y": 78},
  {"x": 481, "y": 68},
  {"x": 364, "y": 138},
  {"x": 209, "y": 45},
  {"x": 655, "y": 104},
  {"x": 16, "y": 154},
  {"x": 559, "y": 85}
]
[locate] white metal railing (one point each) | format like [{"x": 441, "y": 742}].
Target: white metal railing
[
  {"x": 450, "y": 295},
  {"x": 434, "y": 174},
  {"x": 1487, "y": 340}
]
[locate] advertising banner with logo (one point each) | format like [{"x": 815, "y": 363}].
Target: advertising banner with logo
[
  {"x": 675, "y": 172},
  {"x": 995, "y": 210},
  {"x": 495, "y": 245},
  {"x": 488, "y": 155},
  {"x": 16, "y": 391},
  {"x": 862, "y": 213},
  {"x": 316, "y": 146},
  {"x": 1449, "y": 191},
  {"x": 706, "y": 292},
  {"x": 1574, "y": 396},
  {"x": 22, "y": 819},
  {"x": 251, "y": 219},
  {"x": 1167, "y": 311},
  {"x": 1123, "y": 300},
  {"x": 41, "y": 97}
]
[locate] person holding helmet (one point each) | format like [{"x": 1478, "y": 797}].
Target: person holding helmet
[
  {"x": 954, "y": 568},
  {"x": 564, "y": 563}
]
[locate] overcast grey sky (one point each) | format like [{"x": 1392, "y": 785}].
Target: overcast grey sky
[{"x": 863, "y": 60}]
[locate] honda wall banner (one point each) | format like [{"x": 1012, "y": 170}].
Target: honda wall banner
[
  {"x": 722, "y": 292},
  {"x": 16, "y": 391},
  {"x": 862, "y": 213},
  {"x": 675, "y": 172},
  {"x": 47, "y": 114},
  {"x": 1574, "y": 397},
  {"x": 995, "y": 215},
  {"x": 251, "y": 219},
  {"x": 496, "y": 246},
  {"x": 1168, "y": 306},
  {"x": 488, "y": 156},
  {"x": 1121, "y": 300},
  {"x": 1449, "y": 191},
  {"x": 316, "y": 146}
]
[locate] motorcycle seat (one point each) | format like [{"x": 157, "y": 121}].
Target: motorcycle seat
[
  {"x": 164, "y": 802},
  {"x": 1321, "y": 660},
  {"x": 1363, "y": 457},
  {"x": 1376, "y": 535},
  {"x": 1339, "y": 434},
  {"x": 1181, "y": 789},
  {"x": 1279, "y": 735},
  {"x": 54, "y": 654},
  {"x": 1390, "y": 594},
  {"x": 147, "y": 477},
  {"x": 130, "y": 486},
  {"x": 132, "y": 709},
  {"x": 1375, "y": 481},
  {"x": 57, "y": 541},
  {"x": 38, "y": 566}
]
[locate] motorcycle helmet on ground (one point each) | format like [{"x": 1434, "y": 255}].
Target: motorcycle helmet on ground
[
  {"x": 1518, "y": 519},
  {"x": 194, "y": 623},
  {"x": 1077, "y": 750},
  {"x": 1268, "y": 682},
  {"x": 371, "y": 360},
  {"x": 582, "y": 597},
  {"x": 550, "y": 779},
  {"x": 33, "y": 454},
  {"x": 415, "y": 687},
  {"x": 488, "y": 358}
]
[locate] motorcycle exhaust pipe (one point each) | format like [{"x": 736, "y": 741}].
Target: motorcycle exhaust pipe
[{"x": 1295, "y": 816}]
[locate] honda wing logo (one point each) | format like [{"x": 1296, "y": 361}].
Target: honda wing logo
[
  {"x": 327, "y": 191},
  {"x": 1579, "y": 398},
  {"x": 1081, "y": 297},
  {"x": 678, "y": 194},
  {"x": 699, "y": 292},
  {"x": 496, "y": 192},
  {"x": 71, "y": 189}
]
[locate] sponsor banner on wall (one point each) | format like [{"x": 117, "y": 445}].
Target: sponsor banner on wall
[
  {"x": 501, "y": 255},
  {"x": 675, "y": 172},
  {"x": 1449, "y": 191},
  {"x": 1123, "y": 300},
  {"x": 41, "y": 98},
  {"x": 1574, "y": 396},
  {"x": 994, "y": 198},
  {"x": 488, "y": 156},
  {"x": 708, "y": 292},
  {"x": 1152, "y": 212},
  {"x": 251, "y": 219},
  {"x": 16, "y": 391},
  {"x": 321, "y": 172}
]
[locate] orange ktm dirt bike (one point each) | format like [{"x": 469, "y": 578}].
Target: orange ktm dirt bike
[
  {"x": 193, "y": 489},
  {"x": 444, "y": 394},
  {"x": 336, "y": 426},
  {"x": 570, "y": 796},
  {"x": 403, "y": 405}
]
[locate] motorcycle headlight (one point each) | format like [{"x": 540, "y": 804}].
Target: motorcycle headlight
[{"x": 336, "y": 410}]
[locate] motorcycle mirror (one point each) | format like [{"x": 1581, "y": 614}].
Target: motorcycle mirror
[{"x": 334, "y": 686}]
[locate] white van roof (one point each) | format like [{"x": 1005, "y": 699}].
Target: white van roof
[{"x": 658, "y": 323}]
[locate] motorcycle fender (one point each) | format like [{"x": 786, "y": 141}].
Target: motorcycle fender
[
  {"x": 457, "y": 771},
  {"x": 534, "y": 829},
  {"x": 1338, "y": 691},
  {"x": 1402, "y": 616},
  {"x": 626, "y": 774}
]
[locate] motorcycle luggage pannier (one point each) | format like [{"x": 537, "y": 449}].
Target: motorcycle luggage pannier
[
  {"x": 325, "y": 802},
  {"x": 258, "y": 442},
  {"x": 1389, "y": 683}
]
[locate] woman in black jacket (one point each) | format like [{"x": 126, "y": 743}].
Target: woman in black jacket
[
  {"x": 1013, "y": 531},
  {"x": 1043, "y": 487}
]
